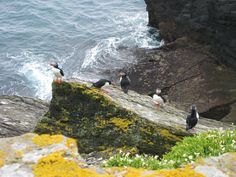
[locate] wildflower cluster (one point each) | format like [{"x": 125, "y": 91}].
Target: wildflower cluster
[{"x": 213, "y": 143}]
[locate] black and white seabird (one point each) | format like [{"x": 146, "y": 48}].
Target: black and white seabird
[
  {"x": 158, "y": 100},
  {"x": 192, "y": 119},
  {"x": 124, "y": 82},
  {"x": 58, "y": 73},
  {"x": 101, "y": 83}
]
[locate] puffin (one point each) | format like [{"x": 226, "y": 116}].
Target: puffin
[
  {"x": 101, "y": 83},
  {"x": 124, "y": 82},
  {"x": 58, "y": 72},
  {"x": 192, "y": 119},
  {"x": 157, "y": 99}
]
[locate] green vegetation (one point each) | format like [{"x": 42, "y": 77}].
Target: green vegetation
[
  {"x": 203, "y": 145},
  {"x": 99, "y": 124}
]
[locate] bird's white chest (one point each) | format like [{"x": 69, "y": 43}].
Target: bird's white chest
[
  {"x": 120, "y": 79},
  {"x": 106, "y": 84},
  {"x": 157, "y": 99},
  {"x": 56, "y": 72},
  {"x": 197, "y": 115}
]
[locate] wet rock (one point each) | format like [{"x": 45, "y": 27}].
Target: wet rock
[
  {"x": 19, "y": 115},
  {"x": 114, "y": 120}
]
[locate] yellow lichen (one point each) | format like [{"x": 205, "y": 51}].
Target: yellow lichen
[
  {"x": 46, "y": 140},
  {"x": 19, "y": 154},
  {"x": 123, "y": 124},
  {"x": 1, "y": 163},
  {"x": 54, "y": 165},
  {"x": 2, "y": 154},
  {"x": 101, "y": 122},
  {"x": 180, "y": 172},
  {"x": 165, "y": 133}
]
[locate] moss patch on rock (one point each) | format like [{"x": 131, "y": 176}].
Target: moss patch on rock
[{"x": 98, "y": 123}]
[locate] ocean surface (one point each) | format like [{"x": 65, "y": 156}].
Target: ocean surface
[{"x": 87, "y": 38}]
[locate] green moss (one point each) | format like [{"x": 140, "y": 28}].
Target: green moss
[{"x": 98, "y": 123}]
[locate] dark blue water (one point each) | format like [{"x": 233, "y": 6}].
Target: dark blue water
[{"x": 86, "y": 37}]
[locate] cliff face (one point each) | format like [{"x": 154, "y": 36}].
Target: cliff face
[
  {"x": 115, "y": 120},
  {"x": 211, "y": 22}
]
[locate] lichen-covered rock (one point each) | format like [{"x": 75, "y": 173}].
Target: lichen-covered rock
[
  {"x": 31, "y": 155},
  {"x": 101, "y": 121},
  {"x": 19, "y": 115},
  {"x": 26, "y": 155}
]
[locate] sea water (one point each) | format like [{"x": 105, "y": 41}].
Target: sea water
[{"x": 87, "y": 38}]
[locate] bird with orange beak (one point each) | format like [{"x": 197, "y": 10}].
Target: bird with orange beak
[{"x": 58, "y": 73}]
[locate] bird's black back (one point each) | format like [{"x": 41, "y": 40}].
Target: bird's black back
[
  {"x": 62, "y": 73},
  {"x": 101, "y": 83},
  {"x": 125, "y": 83},
  {"x": 191, "y": 120}
]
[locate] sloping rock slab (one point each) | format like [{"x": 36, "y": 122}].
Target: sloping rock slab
[
  {"x": 19, "y": 115},
  {"x": 100, "y": 121}
]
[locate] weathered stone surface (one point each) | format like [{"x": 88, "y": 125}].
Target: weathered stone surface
[
  {"x": 19, "y": 115},
  {"x": 113, "y": 120},
  {"x": 187, "y": 74},
  {"x": 31, "y": 155},
  {"x": 206, "y": 21},
  {"x": 222, "y": 166}
]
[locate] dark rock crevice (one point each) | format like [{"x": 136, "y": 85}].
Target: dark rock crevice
[{"x": 218, "y": 112}]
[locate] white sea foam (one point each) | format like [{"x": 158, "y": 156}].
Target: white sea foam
[
  {"x": 37, "y": 73},
  {"x": 96, "y": 55},
  {"x": 39, "y": 77},
  {"x": 132, "y": 32}
]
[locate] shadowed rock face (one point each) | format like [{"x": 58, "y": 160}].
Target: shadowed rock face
[
  {"x": 19, "y": 115},
  {"x": 101, "y": 121},
  {"x": 206, "y": 21}
]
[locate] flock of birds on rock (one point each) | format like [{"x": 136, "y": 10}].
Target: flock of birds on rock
[{"x": 191, "y": 120}]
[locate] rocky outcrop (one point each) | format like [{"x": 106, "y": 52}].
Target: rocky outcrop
[
  {"x": 31, "y": 155},
  {"x": 19, "y": 115},
  {"x": 115, "y": 120},
  {"x": 206, "y": 21}
]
